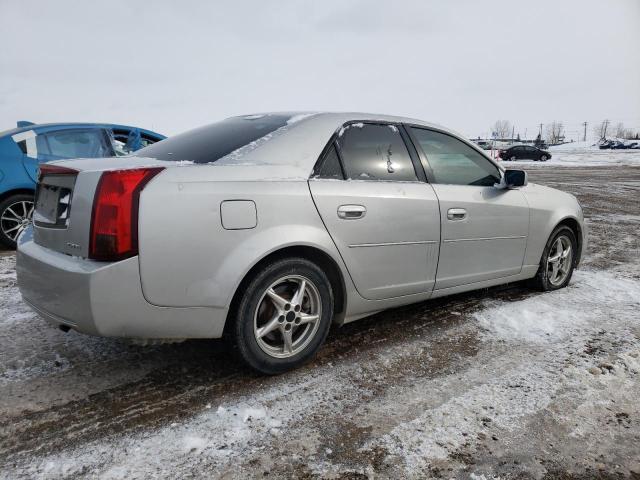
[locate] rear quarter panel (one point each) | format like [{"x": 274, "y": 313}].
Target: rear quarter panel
[{"x": 187, "y": 257}]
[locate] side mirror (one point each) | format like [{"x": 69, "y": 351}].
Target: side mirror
[{"x": 515, "y": 178}]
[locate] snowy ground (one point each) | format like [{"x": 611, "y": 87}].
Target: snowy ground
[
  {"x": 504, "y": 383},
  {"x": 581, "y": 154}
]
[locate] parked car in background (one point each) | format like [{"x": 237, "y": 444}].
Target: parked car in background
[
  {"x": 618, "y": 145},
  {"x": 524, "y": 152},
  {"x": 23, "y": 148},
  {"x": 483, "y": 144},
  {"x": 269, "y": 228}
]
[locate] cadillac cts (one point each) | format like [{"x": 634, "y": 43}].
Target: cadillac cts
[{"x": 268, "y": 228}]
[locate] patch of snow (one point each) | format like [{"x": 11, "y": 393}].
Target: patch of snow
[
  {"x": 554, "y": 315},
  {"x": 582, "y": 158},
  {"x": 540, "y": 333},
  {"x": 300, "y": 117}
]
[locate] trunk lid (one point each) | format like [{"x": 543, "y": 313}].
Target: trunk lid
[{"x": 62, "y": 213}]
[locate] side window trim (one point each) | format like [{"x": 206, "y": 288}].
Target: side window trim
[
  {"x": 413, "y": 153},
  {"x": 324, "y": 157},
  {"x": 423, "y": 157}
]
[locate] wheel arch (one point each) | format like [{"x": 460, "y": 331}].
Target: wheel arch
[
  {"x": 16, "y": 191},
  {"x": 575, "y": 226},
  {"x": 316, "y": 255}
]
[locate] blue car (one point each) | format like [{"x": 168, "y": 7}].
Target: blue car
[{"x": 23, "y": 148}]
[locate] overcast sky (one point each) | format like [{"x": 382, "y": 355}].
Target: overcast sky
[{"x": 171, "y": 66}]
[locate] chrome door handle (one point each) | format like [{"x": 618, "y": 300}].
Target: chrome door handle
[
  {"x": 456, "y": 214},
  {"x": 351, "y": 212}
]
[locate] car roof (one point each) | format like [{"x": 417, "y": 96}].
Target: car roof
[
  {"x": 288, "y": 153},
  {"x": 68, "y": 125},
  {"x": 308, "y": 133}
]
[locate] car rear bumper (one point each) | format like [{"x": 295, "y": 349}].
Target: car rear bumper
[{"x": 103, "y": 299}]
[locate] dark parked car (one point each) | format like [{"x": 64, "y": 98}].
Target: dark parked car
[
  {"x": 524, "y": 152},
  {"x": 24, "y": 148}
]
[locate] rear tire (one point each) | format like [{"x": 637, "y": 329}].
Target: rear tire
[
  {"x": 16, "y": 212},
  {"x": 558, "y": 260},
  {"x": 283, "y": 317}
]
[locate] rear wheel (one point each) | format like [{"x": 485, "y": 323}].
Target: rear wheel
[
  {"x": 558, "y": 260},
  {"x": 284, "y": 316},
  {"x": 16, "y": 212}
]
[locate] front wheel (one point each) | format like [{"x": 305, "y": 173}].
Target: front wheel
[
  {"x": 543, "y": 158},
  {"x": 16, "y": 212},
  {"x": 512, "y": 158},
  {"x": 558, "y": 260},
  {"x": 284, "y": 316}
]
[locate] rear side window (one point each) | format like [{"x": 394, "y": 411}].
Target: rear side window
[
  {"x": 212, "y": 142},
  {"x": 453, "y": 162},
  {"x": 375, "y": 152},
  {"x": 330, "y": 166},
  {"x": 74, "y": 144}
]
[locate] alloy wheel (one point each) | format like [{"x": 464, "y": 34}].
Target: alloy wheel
[
  {"x": 559, "y": 260},
  {"x": 16, "y": 218},
  {"x": 288, "y": 316}
]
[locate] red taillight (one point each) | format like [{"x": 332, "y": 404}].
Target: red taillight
[
  {"x": 114, "y": 221},
  {"x": 46, "y": 169}
]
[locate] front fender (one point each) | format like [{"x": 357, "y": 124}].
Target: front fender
[{"x": 548, "y": 208}]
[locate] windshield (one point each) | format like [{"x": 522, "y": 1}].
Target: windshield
[{"x": 212, "y": 142}]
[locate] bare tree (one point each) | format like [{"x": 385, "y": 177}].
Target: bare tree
[
  {"x": 501, "y": 129},
  {"x": 601, "y": 130},
  {"x": 555, "y": 132},
  {"x": 620, "y": 130}
]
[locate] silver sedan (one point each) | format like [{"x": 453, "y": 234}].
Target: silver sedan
[{"x": 269, "y": 228}]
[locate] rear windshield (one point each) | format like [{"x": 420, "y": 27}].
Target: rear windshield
[{"x": 212, "y": 142}]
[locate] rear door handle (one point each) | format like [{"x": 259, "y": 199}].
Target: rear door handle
[
  {"x": 455, "y": 214},
  {"x": 351, "y": 212}
]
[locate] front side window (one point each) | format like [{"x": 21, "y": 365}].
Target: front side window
[
  {"x": 453, "y": 162},
  {"x": 74, "y": 144},
  {"x": 375, "y": 152}
]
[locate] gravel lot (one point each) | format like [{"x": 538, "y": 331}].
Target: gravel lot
[{"x": 503, "y": 382}]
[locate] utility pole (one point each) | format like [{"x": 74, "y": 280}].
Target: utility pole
[
  {"x": 513, "y": 129},
  {"x": 584, "y": 138},
  {"x": 541, "y": 130}
]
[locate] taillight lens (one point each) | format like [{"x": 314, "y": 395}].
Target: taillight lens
[{"x": 114, "y": 221}]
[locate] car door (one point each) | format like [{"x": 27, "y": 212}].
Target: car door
[
  {"x": 379, "y": 210},
  {"x": 484, "y": 229},
  {"x": 29, "y": 143},
  {"x": 532, "y": 153}
]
